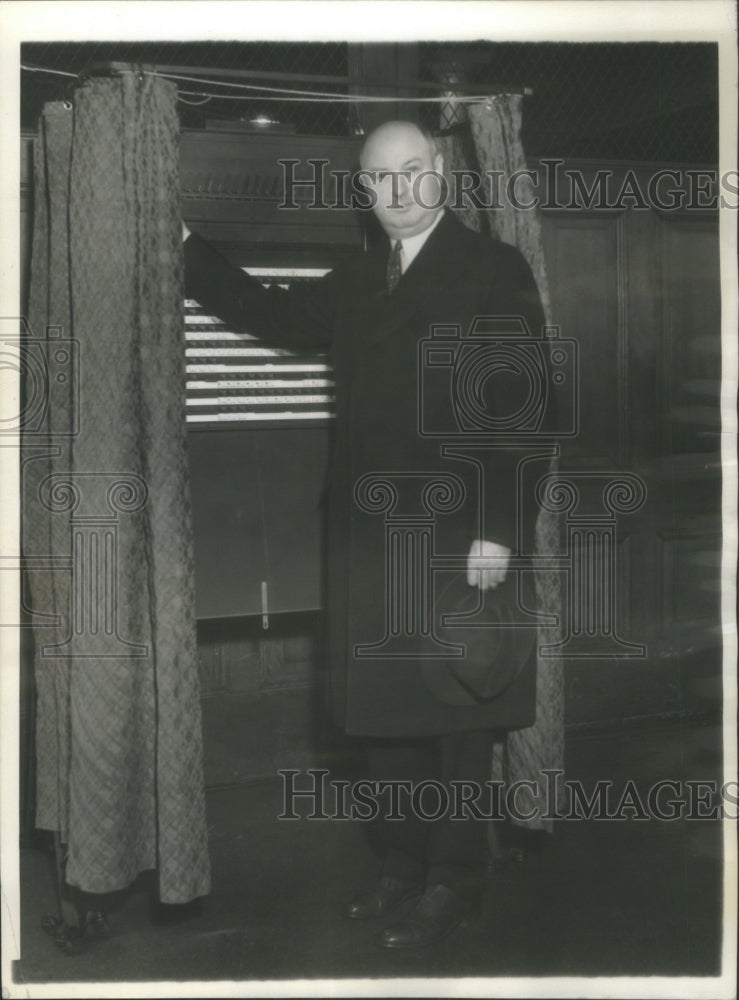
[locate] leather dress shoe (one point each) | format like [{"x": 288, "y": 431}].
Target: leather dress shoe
[
  {"x": 436, "y": 914},
  {"x": 385, "y": 898}
]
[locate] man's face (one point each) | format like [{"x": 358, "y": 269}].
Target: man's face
[{"x": 395, "y": 159}]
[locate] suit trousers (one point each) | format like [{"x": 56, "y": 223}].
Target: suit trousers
[{"x": 433, "y": 850}]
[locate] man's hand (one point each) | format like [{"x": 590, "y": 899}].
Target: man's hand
[
  {"x": 487, "y": 564},
  {"x": 185, "y": 232}
]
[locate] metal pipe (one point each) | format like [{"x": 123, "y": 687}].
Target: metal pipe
[{"x": 481, "y": 90}]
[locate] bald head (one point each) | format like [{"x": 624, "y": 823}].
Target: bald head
[
  {"x": 387, "y": 139},
  {"x": 399, "y": 160}
]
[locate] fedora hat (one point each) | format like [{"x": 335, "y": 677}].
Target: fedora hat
[{"x": 496, "y": 635}]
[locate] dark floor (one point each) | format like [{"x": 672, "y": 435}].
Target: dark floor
[{"x": 617, "y": 898}]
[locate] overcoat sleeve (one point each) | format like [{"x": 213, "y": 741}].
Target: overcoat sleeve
[
  {"x": 513, "y": 292},
  {"x": 297, "y": 318}
]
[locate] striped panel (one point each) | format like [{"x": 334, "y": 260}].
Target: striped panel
[{"x": 232, "y": 378}]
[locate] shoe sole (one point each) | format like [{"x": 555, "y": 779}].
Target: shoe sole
[
  {"x": 465, "y": 920},
  {"x": 388, "y": 913}
]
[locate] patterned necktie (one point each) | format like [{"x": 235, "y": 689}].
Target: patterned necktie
[{"x": 394, "y": 270}]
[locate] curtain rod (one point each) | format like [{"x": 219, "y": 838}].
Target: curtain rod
[{"x": 253, "y": 74}]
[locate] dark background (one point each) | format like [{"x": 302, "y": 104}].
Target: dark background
[{"x": 650, "y": 101}]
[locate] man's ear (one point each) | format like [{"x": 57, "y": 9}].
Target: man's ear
[{"x": 439, "y": 163}]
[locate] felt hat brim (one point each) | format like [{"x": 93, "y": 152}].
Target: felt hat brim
[{"x": 495, "y": 635}]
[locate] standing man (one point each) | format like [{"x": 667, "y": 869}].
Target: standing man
[{"x": 373, "y": 313}]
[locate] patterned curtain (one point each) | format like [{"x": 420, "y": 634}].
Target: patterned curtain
[
  {"x": 459, "y": 154},
  {"x": 495, "y": 127},
  {"x": 106, "y": 520}
]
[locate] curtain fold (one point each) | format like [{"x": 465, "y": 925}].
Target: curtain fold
[
  {"x": 107, "y": 520},
  {"x": 495, "y": 127},
  {"x": 459, "y": 155}
]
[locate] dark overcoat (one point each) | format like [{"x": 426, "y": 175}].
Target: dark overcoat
[{"x": 392, "y": 404}]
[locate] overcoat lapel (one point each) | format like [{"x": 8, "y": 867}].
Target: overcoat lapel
[{"x": 437, "y": 265}]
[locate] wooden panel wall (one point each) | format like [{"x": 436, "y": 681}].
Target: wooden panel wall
[
  {"x": 581, "y": 253},
  {"x": 640, "y": 292},
  {"x": 261, "y": 697}
]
